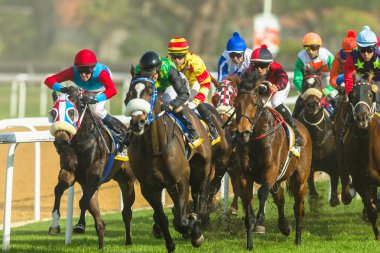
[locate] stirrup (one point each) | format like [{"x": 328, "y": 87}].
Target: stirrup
[
  {"x": 122, "y": 155},
  {"x": 195, "y": 143}
]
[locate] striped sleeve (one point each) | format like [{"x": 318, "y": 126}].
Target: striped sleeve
[
  {"x": 222, "y": 68},
  {"x": 203, "y": 77}
]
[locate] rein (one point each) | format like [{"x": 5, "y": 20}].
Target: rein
[{"x": 317, "y": 123}]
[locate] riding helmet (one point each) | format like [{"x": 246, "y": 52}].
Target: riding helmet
[
  {"x": 236, "y": 43},
  {"x": 262, "y": 54},
  {"x": 366, "y": 37},
  {"x": 150, "y": 60},
  {"x": 178, "y": 45},
  {"x": 85, "y": 57},
  {"x": 312, "y": 39},
  {"x": 349, "y": 42}
]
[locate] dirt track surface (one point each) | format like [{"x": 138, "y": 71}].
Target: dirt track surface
[{"x": 23, "y": 184}]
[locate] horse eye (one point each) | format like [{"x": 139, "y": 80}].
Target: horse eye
[
  {"x": 370, "y": 95},
  {"x": 70, "y": 113}
]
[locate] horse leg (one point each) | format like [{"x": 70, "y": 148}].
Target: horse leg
[
  {"x": 215, "y": 178},
  {"x": 260, "y": 219},
  {"x": 89, "y": 190},
  {"x": 65, "y": 180},
  {"x": 99, "y": 222},
  {"x": 279, "y": 200},
  {"x": 246, "y": 186},
  {"x": 344, "y": 178},
  {"x": 298, "y": 188},
  {"x": 236, "y": 189},
  {"x": 334, "y": 179},
  {"x": 153, "y": 196},
  {"x": 370, "y": 207},
  {"x": 313, "y": 194},
  {"x": 80, "y": 227},
  {"x": 127, "y": 188}
]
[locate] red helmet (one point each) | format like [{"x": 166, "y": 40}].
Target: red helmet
[{"x": 85, "y": 57}]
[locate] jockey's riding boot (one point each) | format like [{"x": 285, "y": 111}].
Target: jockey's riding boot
[
  {"x": 192, "y": 134},
  {"x": 289, "y": 119},
  {"x": 206, "y": 116},
  {"x": 298, "y": 107},
  {"x": 116, "y": 126}
]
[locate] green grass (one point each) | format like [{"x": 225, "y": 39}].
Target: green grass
[{"x": 338, "y": 229}]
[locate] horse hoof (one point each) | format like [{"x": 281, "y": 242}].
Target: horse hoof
[
  {"x": 156, "y": 231},
  {"x": 54, "y": 230},
  {"x": 334, "y": 202},
  {"x": 198, "y": 242},
  {"x": 259, "y": 229},
  {"x": 233, "y": 211},
  {"x": 287, "y": 231},
  {"x": 79, "y": 229}
]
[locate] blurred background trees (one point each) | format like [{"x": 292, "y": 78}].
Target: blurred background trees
[{"x": 41, "y": 36}]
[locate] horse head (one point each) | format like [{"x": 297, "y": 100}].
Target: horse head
[
  {"x": 363, "y": 103},
  {"x": 64, "y": 117},
  {"x": 224, "y": 96},
  {"x": 247, "y": 103},
  {"x": 312, "y": 100},
  {"x": 140, "y": 102},
  {"x": 311, "y": 79}
]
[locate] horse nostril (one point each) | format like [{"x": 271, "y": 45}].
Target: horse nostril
[{"x": 141, "y": 123}]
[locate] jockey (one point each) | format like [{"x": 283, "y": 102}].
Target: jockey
[
  {"x": 167, "y": 77},
  {"x": 336, "y": 73},
  {"x": 235, "y": 59},
  {"x": 316, "y": 58},
  {"x": 193, "y": 67},
  {"x": 363, "y": 60},
  {"x": 96, "y": 80},
  {"x": 278, "y": 84}
]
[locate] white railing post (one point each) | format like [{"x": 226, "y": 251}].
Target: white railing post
[
  {"x": 43, "y": 99},
  {"x": 13, "y": 100},
  {"x": 224, "y": 191},
  {"x": 8, "y": 197},
  {"x": 69, "y": 216}
]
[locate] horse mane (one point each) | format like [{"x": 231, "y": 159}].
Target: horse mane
[
  {"x": 234, "y": 79},
  {"x": 250, "y": 82}
]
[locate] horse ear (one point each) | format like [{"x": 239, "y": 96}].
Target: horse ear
[
  {"x": 54, "y": 95},
  {"x": 132, "y": 71}
]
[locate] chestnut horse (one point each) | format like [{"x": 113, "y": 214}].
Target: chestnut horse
[
  {"x": 266, "y": 157},
  {"x": 361, "y": 148},
  {"x": 160, "y": 159},
  {"x": 86, "y": 157},
  {"x": 317, "y": 121}
]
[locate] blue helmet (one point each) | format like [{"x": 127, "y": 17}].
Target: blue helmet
[
  {"x": 366, "y": 37},
  {"x": 236, "y": 43}
]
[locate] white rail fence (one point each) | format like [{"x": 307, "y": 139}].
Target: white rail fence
[{"x": 21, "y": 82}]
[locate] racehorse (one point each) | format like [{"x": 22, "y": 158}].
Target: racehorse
[
  {"x": 324, "y": 156},
  {"x": 86, "y": 156},
  {"x": 223, "y": 101},
  {"x": 160, "y": 159},
  {"x": 311, "y": 79},
  {"x": 361, "y": 148},
  {"x": 266, "y": 157}
]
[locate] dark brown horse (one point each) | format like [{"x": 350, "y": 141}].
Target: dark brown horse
[
  {"x": 317, "y": 121},
  {"x": 311, "y": 79},
  {"x": 85, "y": 150},
  {"x": 160, "y": 159},
  {"x": 361, "y": 149},
  {"x": 265, "y": 157},
  {"x": 223, "y": 101}
]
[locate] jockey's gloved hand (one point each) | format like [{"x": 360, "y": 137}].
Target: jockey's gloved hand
[
  {"x": 89, "y": 100},
  {"x": 64, "y": 90},
  {"x": 166, "y": 107}
]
